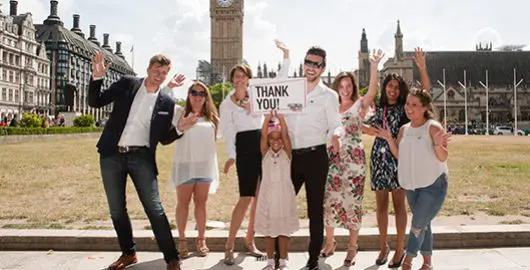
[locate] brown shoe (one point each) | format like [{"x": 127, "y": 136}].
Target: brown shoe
[
  {"x": 123, "y": 261},
  {"x": 173, "y": 265}
]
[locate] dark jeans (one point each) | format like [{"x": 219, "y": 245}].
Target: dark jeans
[{"x": 140, "y": 166}]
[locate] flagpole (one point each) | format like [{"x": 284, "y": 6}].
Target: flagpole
[{"x": 132, "y": 56}]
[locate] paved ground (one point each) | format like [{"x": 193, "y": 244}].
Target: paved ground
[{"x": 483, "y": 259}]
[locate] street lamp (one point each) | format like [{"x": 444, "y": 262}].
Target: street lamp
[
  {"x": 445, "y": 101},
  {"x": 487, "y": 104},
  {"x": 515, "y": 99},
  {"x": 465, "y": 98}
]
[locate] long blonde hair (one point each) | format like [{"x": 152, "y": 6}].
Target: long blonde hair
[{"x": 209, "y": 111}]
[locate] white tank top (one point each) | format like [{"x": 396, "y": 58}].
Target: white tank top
[{"x": 418, "y": 165}]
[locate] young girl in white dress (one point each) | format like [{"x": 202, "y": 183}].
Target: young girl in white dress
[{"x": 276, "y": 214}]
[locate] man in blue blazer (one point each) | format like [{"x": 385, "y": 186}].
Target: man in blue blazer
[{"x": 141, "y": 117}]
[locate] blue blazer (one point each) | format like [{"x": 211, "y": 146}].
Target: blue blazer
[{"x": 122, "y": 94}]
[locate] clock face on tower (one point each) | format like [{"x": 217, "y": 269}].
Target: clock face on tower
[{"x": 225, "y": 3}]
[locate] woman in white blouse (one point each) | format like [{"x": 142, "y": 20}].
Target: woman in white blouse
[
  {"x": 421, "y": 149},
  {"x": 242, "y": 133},
  {"x": 195, "y": 168}
]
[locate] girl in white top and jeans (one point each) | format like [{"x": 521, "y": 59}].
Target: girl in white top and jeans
[
  {"x": 422, "y": 171},
  {"x": 195, "y": 168}
]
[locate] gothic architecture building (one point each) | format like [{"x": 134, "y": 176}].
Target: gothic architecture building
[
  {"x": 226, "y": 18},
  {"x": 24, "y": 67},
  {"x": 70, "y": 53},
  {"x": 500, "y": 66}
]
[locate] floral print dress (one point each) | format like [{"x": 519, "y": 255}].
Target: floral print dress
[{"x": 344, "y": 191}]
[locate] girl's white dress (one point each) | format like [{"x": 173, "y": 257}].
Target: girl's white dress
[
  {"x": 195, "y": 153},
  {"x": 276, "y": 212}
]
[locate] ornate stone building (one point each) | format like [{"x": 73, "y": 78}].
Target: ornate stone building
[
  {"x": 363, "y": 72},
  {"x": 24, "y": 67},
  {"x": 500, "y": 66},
  {"x": 226, "y": 42},
  {"x": 70, "y": 53}
]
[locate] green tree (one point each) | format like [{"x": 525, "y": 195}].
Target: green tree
[
  {"x": 86, "y": 120},
  {"x": 217, "y": 92},
  {"x": 30, "y": 120},
  {"x": 180, "y": 102},
  {"x": 364, "y": 90}
]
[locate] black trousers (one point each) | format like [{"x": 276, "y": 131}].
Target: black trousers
[{"x": 310, "y": 166}]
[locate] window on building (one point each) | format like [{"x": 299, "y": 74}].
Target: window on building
[
  {"x": 4, "y": 94},
  {"x": 11, "y": 76},
  {"x": 10, "y": 97},
  {"x": 4, "y": 74},
  {"x": 17, "y": 60},
  {"x": 11, "y": 59}
]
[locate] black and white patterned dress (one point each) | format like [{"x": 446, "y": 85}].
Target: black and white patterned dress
[{"x": 383, "y": 165}]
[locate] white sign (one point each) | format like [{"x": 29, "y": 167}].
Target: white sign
[{"x": 281, "y": 94}]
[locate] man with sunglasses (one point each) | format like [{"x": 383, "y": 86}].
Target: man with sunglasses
[
  {"x": 141, "y": 118},
  {"x": 309, "y": 132}
]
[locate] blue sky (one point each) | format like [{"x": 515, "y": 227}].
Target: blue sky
[{"x": 181, "y": 28}]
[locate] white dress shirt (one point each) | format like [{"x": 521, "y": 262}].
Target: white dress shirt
[
  {"x": 236, "y": 119},
  {"x": 137, "y": 127},
  {"x": 320, "y": 120}
]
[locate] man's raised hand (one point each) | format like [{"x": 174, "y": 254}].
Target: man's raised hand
[
  {"x": 176, "y": 81},
  {"x": 99, "y": 67}
]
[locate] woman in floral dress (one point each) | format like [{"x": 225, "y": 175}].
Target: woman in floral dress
[{"x": 344, "y": 193}]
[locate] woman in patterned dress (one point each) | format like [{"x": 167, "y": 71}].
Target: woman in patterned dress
[
  {"x": 344, "y": 192},
  {"x": 390, "y": 115}
]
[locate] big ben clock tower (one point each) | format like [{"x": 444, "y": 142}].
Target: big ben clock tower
[{"x": 226, "y": 35}]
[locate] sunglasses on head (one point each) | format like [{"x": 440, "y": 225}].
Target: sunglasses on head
[
  {"x": 312, "y": 64},
  {"x": 196, "y": 93}
]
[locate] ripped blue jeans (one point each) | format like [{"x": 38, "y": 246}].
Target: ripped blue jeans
[{"x": 425, "y": 203}]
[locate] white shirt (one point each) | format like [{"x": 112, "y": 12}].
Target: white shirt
[
  {"x": 195, "y": 153},
  {"x": 418, "y": 165},
  {"x": 137, "y": 127},
  {"x": 236, "y": 119},
  {"x": 320, "y": 120}
]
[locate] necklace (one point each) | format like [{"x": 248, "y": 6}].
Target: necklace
[
  {"x": 241, "y": 102},
  {"x": 275, "y": 155}
]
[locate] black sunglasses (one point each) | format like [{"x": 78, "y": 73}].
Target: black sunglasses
[
  {"x": 312, "y": 64},
  {"x": 198, "y": 93}
]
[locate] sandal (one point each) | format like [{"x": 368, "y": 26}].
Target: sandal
[
  {"x": 328, "y": 252},
  {"x": 183, "y": 249},
  {"x": 252, "y": 250},
  {"x": 350, "y": 259},
  {"x": 202, "y": 249},
  {"x": 229, "y": 257},
  {"x": 382, "y": 260},
  {"x": 397, "y": 264},
  {"x": 408, "y": 264},
  {"x": 426, "y": 267}
]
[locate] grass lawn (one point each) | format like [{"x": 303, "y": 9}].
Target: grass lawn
[{"x": 49, "y": 184}]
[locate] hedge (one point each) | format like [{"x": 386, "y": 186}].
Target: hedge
[{"x": 5, "y": 131}]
